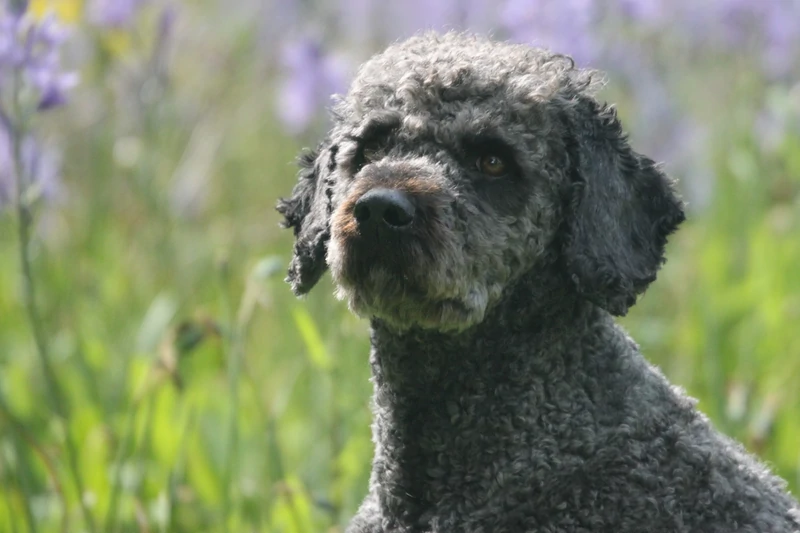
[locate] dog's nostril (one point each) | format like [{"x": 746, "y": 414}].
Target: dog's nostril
[
  {"x": 397, "y": 216},
  {"x": 390, "y": 206},
  {"x": 361, "y": 212}
]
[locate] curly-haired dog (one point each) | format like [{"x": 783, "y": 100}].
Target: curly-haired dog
[{"x": 486, "y": 213}]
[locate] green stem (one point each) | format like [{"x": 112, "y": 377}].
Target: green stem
[
  {"x": 12, "y": 520},
  {"x": 178, "y": 471},
  {"x": 276, "y": 456},
  {"x": 25, "y": 227},
  {"x": 21, "y": 432},
  {"x": 233, "y": 350},
  {"x": 18, "y": 474},
  {"x": 337, "y": 444},
  {"x": 121, "y": 456}
]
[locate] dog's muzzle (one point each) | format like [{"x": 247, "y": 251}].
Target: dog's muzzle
[{"x": 385, "y": 235}]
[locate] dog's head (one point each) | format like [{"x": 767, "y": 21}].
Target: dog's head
[{"x": 454, "y": 166}]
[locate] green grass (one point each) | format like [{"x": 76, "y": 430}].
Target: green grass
[{"x": 202, "y": 396}]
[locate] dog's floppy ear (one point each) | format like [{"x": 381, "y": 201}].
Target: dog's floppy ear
[
  {"x": 307, "y": 211},
  {"x": 621, "y": 211}
]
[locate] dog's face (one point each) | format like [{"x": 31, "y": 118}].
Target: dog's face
[
  {"x": 435, "y": 211},
  {"x": 455, "y": 165}
]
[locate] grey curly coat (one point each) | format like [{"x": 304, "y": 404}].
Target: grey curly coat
[{"x": 485, "y": 212}]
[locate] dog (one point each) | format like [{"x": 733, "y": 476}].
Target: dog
[{"x": 485, "y": 212}]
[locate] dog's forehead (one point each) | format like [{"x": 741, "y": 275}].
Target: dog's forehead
[
  {"x": 448, "y": 78},
  {"x": 432, "y": 59}
]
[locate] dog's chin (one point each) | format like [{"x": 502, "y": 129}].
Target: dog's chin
[{"x": 403, "y": 308}]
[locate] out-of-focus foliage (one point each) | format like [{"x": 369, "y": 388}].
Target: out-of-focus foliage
[{"x": 199, "y": 394}]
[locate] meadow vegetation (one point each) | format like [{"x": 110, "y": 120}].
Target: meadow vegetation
[{"x": 157, "y": 375}]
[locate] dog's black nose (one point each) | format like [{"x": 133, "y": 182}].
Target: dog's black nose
[{"x": 384, "y": 207}]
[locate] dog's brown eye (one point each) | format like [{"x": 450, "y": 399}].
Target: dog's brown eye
[
  {"x": 492, "y": 165},
  {"x": 368, "y": 153},
  {"x": 371, "y": 153}
]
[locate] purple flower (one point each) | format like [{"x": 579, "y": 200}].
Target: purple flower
[
  {"x": 40, "y": 169},
  {"x": 727, "y": 23},
  {"x": 661, "y": 126},
  {"x": 166, "y": 22},
  {"x": 116, "y": 14},
  {"x": 782, "y": 35},
  {"x": 649, "y": 11},
  {"x": 7, "y": 177},
  {"x": 734, "y": 27},
  {"x": 11, "y": 50},
  {"x": 563, "y": 26},
  {"x": 32, "y": 49},
  {"x": 311, "y": 77}
]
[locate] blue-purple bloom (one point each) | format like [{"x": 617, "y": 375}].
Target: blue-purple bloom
[
  {"x": 166, "y": 22},
  {"x": 768, "y": 32},
  {"x": 311, "y": 76},
  {"x": 643, "y": 11},
  {"x": 564, "y": 26},
  {"x": 781, "y": 28},
  {"x": 30, "y": 66},
  {"x": 114, "y": 14},
  {"x": 31, "y": 49},
  {"x": 40, "y": 169}
]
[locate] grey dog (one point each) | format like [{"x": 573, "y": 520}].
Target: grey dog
[{"x": 485, "y": 212}]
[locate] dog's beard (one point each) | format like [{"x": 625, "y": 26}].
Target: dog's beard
[
  {"x": 388, "y": 288},
  {"x": 404, "y": 309}
]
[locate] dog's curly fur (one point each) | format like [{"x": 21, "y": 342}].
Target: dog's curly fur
[{"x": 506, "y": 399}]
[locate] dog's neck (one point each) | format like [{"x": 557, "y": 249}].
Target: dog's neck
[
  {"x": 440, "y": 397},
  {"x": 433, "y": 364}
]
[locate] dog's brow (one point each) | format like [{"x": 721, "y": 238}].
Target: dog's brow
[
  {"x": 488, "y": 139},
  {"x": 377, "y": 125}
]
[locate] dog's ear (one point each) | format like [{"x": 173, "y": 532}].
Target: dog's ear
[
  {"x": 307, "y": 211},
  {"x": 621, "y": 211}
]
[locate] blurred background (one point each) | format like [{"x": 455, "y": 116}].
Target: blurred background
[{"x": 156, "y": 374}]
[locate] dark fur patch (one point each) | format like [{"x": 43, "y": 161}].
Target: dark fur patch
[
  {"x": 306, "y": 211},
  {"x": 621, "y": 213},
  {"x": 507, "y": 194},
  {"x": 296, "y": 207}
]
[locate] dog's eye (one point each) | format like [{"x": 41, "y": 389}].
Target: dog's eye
[
  {"x": 371, "y": 152},
  {"x": 368, "y": 153},
  {"x": 491, "y": 165}
]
